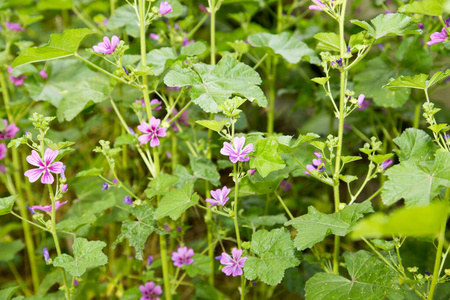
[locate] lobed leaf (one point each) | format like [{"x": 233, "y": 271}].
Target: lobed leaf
[
  {"x": 6, "y": 204},
  {"x": 266, "y": 158},
  {"x": 415, "y": 144},
  {"x": 176, "y": 202}
]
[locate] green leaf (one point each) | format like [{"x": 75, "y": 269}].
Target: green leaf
[
  {"x": 213, "y": 85},
  {"x": 60, "y": 45},
  {"x": 424, "y": 7},
  {"x": 213, "y": 124},
  {"x": 160, "y": 185},
  {"x": 424, "y": 221},
  {"x": 349, "y": 159},
  {"x": 328, "y": 41},
  {"x": 160, "y": 59},
  {"x": 415, "y": 144},
  {"x": 389, "y": 24},
  {"x": 176, "y": 202},
  {"x": 304, "y": 139},
  {"x": 7, "y": 293},
  {"x": 86, "y": 254},
  {"x": 284, "y": 44},
  {"x": 266, "y": 158},
  {"x": 204, "y": 168},
  {"x": 371, "y": 279},
  {"x": 7, "y": 204},
  {"x": 193, "y": 49},
  {"x": 382, "y": 244},
  {"x": 124, "y": 139},
  {"x": 416, "y": 182},
  {"x": 275, "y": 253},
  {"x": 124, "y": 17},
  {"x": 137, "y": 231},
  {"x": 313, "y": 227},
  {"x": 419, "y": 81},
  {"x": 90, "y": 172},
  {"x": 74, "y": 223},
  {"x": 438, "y": 76},
  {"x": 320, "y": 80},
  {"x": 54, "y": 4},
  {"x": 200, "y": 266},
  {"x": 9, "y": 249},
  {"x": 379, "y": 158},
  {"x": 256, "y": 221}
]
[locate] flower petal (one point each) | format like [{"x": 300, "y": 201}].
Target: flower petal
[
  {"x": 34, "y": 159},
  {"x": 236, "y": 254},
  {"x": 238, "y": 143},
  {"x": 34, "y": 174},
  {"x": 47, "y": 178},
  {"x": 226, "y": 259},
  {"x": 237, "y": 271},
  {"x": 227, "y": 270},
  {"x": 144, "y": 127},
  {"x": 154, "y": 142},
  {"x": 144, "y": 138},
  {"x": 59, "y": 204},
  {"x": 226, "y": 149},
  {"x": 161, "y": 132},
  {"x": 114, "y": 42},
  {"x": 49, "y": 156},
  {"x": 154, "y": 123},
  {"x": 56, "y": 167}
]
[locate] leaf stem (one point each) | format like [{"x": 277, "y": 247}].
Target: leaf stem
[{"x": 284, "y": 205}]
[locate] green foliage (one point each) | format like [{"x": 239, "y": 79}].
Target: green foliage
[
  {"x": 90, "y": 173},
  {"x": 200, "y": 265},
  {"x": 371, "y": 279},
  {"x": 59, "y": 46},
  {"x": 424, "y": 7},
  {"x": 389, "y": 24},
  {"x": 9, "y": 249},
  {"x": 314, "y": 226},
  {"x": 86, "y": 254},
  {"x": 124, "y": 17},
  {"x": 6, "y": 204},
  {"x": 419, "y": 81},
  {"x": 328, "y": 41},
  {"x": 6, "y": 294},
  {"x": 423, "y": 221},
  {"x": 415, "y": 144},
  {"x": 213, "y": 124},
  {"x": 213, "y": 85},
  {"x": 204, "y": 168},
  {"x": 275, "y": 253},
  {"x": 418, "y": 183},
  {"x": 137, "y": 231},
  {"x": 284, "y": 44},
  {"x": 74, "y": 223},
  {"x": 160, "y": 185},
  {"x": 266, "y": 157},
  {"x": 257, "y": 221},
  {"x": 176, "y": 202}
]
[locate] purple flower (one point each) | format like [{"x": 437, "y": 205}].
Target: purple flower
[
  {"x": 236, "y": 150},
  {"x": 186, "y": 41},
  {"x": 31, "y": 210},
  {"x": 438, "y": 37},
  {"x": 252, "y": 171},
  {"x": 126, "y": 71},
  {"x": 17, "y": 81},
  {"x": 167, "y": 228},
  {"x": 427, "y": 273},
  {"x": 127, "y": 200},
  {"x": 319, "y": 5},
  {"x": 43, "y": 74},
  {"x": 385, "y": 164},
  {"x": 154, "y": 36},
  {"x": 317, "y": 154},
  {"x": 46, "y": 166},
  {"x": 115, "y": 180},
  {"x": 168, "y": 154},
  {"x": 75, "y": 282},
  {"x": 151, "y": 132},
  {"x": 421, "y": 26},
  {"x": 339, "y": 61},
  {"x": 183, "y": 256},
  {"x": 107, "y": 47},
  {"x": 105, "y": 186},
  {"x": 202, "y": 8},
  {"x": 154, "y": 103},
  {"x": 316, "y": 163},
  {"x": 46, "y": 255},
  {"x": 64, "y": 187},
  {"x": 233, "y": 265},
  {"x": 150, "y": 291},
  {"x": 165, "y": 8},
  {"x": 361, "y": 99},
  {"x": 220, "y": 196},
  {"x": 182, "y": 119},
  {"x": 179, "y": 229},
  {"x": 3, "y": 151},
  {"x": 14, "y": 26},
  {"x": 63, "y": 169},
  {"x": 149, "y": 260},
  {"x": 286, "y": 185},
  {"x": 348, "y": 49},
  {"x": 48, "y": 208}
]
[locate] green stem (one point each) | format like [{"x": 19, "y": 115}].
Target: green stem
[
  {"x": 21, "y": 200},
  {"x": 284, "y": 206},
  {"x": 212, "y": 8},
  {"x": 417, "y": 115},
  {"x": 236, "y": 189},
  {"x": 343, "y": 86},
  {"x": 272, "y": 95},
  {"x": 28, "y": 221},
  {"x": 260, "y": 61}
]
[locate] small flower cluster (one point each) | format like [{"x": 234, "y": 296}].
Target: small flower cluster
[
  {"x": 183, "y": 256},
  {"x": 440, "y": 37},
  {"x": 317, "y": 164},
  {"x": 236, "y": 150}
]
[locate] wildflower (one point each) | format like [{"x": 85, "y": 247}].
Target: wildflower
[
  {"x": 43, "y": 74},
  {"x": 427, "y": 273},
  {"x": 31, "y": 210},
  {"x": 64, "y": 187},
  {"x": 154, "y": 103},
  {"x": 364, "y": 105},
  {"x": 182, "y": 119},
  {"x": 115, "y": 180},
  {"x": 154, "y": 36},
  {"x": 49, "y": 208},
  {"x": 151, "y": 132},
  {"x": 17, "y": 81},
  {"x": 220, "y": 196},
  {"x": 46, "y": 166},
  {"x": 125, "y": 70},
  {"x": 349, "y": 49},
  {"x": 183, "y": 256},
  {"x": 10, "y": 130},
  {"x": 317, "y": 154},
  {"x": 202, "y": 8},
  {"x": 150, "y": 291},
  {"x": 149, "y": 260},
  {"x": 236, "y": 150},
  {"x": 131, "y": 131},
  {"x": 165, "y": 8},
  {"x": 319, "y": 5},
  {"x": 46, "y": 255},
  {"x": 75, "y": 282},
  {"x": 233, "y": 265},
  {"x": 105, "y": 186},
  {"x": 107, "y": 47},
  {"x": 438, "y": 37},
  {"x": 127, "y": 200},
  {"x": 361, "y": 99},
  {"x": 385, "y": 164},
  {"x": 339, "y": 61},
  {"x": 3, "y": 151},
  {"x": 186, "y": 41},
  {"x": 252, "y": 171},
  {"x": 62, "y": 175},
  {"x": 179, "y": 229},
  {"x": 167, "y": 228},
  {"x": 14, "y": 26},
  {"x": 421, "y": 26},
  {"x": 286, "y": 185},
  {"x": 316, "y": 163}
]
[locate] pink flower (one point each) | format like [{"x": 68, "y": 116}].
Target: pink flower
[
  {"x": 220, "y": 196},
  {"x": 150, "y": 291},
  {"x": 202, "y": 8},
  {"x": 43, "y": 74},
  {"x": 234, "y": 150},
  {"x": 106, "y": 46},
  {"x": 252, "y": 171},
  {"x": 165, "y": 8},
  {"x": 3, "y": 151},
  {"x": 151, "y": 132},
  {"x": 154, "y": 36},
  {"x": 182, "y": 119},
  {"x": 45, "y": 166},
  {"x": 361, "y": 99},
  {"x": 154, "y": 102},
  {"x": 319, "y": 5},
  {"x": 438, "y": 37},
  {"x": 14, "y": 26},
  {"x": 187, "y": 41},
  {"x": 64, "y": 187},
  {"x": 17, "y": 81},
  {"x": 233, "y": 265},
  {"x": 48, "y": 208},
  {"x": 9, "y": 132},
  {"x": 183, "y": 256}
]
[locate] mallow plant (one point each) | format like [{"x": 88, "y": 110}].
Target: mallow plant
[{"x": 224, "y": 150}]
